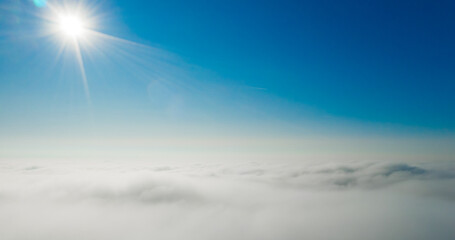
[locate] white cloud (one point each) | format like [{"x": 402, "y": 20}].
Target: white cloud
[{"x": 251, "y": 200}]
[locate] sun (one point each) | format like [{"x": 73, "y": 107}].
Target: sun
[{"x": 71, "y": 25}]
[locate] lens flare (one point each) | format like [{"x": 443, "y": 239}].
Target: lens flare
[{"x": 40, "y": 3}]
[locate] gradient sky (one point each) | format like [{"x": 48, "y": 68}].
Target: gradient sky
[
  {"x": 380, "y": 61},
  {"x": 341, "y": 69},
  {"x": 227, "y": 119}
]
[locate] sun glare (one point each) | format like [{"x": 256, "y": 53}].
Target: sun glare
[
  {"x": 74, "y": 29},
  {"x": 71, "y": 25}
]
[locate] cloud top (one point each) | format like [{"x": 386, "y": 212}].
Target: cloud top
[{"x": 251, "y": 200}]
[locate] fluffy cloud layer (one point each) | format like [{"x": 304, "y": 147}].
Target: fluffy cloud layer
[{"x": 145, "y": 200}]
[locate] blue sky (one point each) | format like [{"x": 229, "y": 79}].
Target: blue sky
[
  {"x": 279, "y": 68},
  {"x": 380, "y": 61}
]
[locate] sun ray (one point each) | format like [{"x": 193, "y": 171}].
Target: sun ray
[
  {"x": 72, "y": 25},
  {"x": 110, "y": 37},
  {"x": 82, "y": 69}
]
